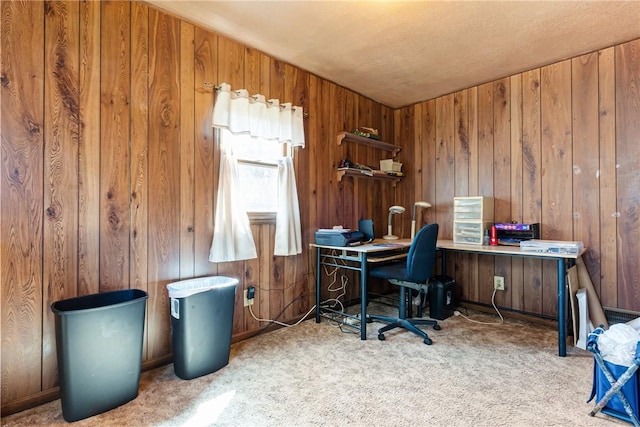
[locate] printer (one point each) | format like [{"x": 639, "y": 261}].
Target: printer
[
  {"x": 513, "y": 234},
  {"x": 338, "y": 237}
]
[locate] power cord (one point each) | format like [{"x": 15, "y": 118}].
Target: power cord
[
  {"x": 339, "y": 286},
  {"x": 493, "y": 302},
  {"x": 334, "y": 303},
  {"x": 281, "y": 323},
  {"x": 276, "y": 322}
]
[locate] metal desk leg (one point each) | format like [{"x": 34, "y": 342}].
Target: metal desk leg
[
  {"x": 318, "y": 284},
  {"x": 363, "y": 296},
  {"x": 562, "y": 306}
]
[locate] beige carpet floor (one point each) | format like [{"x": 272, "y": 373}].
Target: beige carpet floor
[{"x": 316, "y": 375}]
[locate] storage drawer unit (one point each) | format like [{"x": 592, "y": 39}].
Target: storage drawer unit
[
  {"x": 473, "y": 208},
  {"x": 471, "y": 217},
  {"x": 470, "y": 232}
]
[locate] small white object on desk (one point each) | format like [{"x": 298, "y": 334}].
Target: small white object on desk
[{"x": 551, "y": 246}]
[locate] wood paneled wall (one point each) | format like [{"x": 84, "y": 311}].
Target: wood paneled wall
[
  {"x": 110, "y": 170},
  {"x": 558, "y": 145}
]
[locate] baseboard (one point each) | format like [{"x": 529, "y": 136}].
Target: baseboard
[
  {"x": 29, "y": 402},
  {"x": 157, "y": 362}
]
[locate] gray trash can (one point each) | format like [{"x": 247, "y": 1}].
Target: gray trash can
[
  {"x": 99, "y": 349},
  {"x": 201, "y": 324}
]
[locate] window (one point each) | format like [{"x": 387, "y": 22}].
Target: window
[
  {"x": 258, "y": 172},
  {"x": 258, "y": 184}
]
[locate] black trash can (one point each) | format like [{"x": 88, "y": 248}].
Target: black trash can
[
  {"x": 442, "y": 297},
  {"x": 99, "y": 350},
  {"x": 201, "y": 324}
]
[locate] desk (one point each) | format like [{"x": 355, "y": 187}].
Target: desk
[
  {"x": 360, "y": 256},
  {"x": 514, "y": 251}
]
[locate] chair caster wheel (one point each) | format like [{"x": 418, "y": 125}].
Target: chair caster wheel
[
  {"x": 437, "y": 327},
  {"x": 381, "y": 337},
  {"x": 428, "y": 341}
]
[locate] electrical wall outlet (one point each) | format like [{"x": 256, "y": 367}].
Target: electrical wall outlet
[
  {"x": 498, "y": 283},
  {"x": 249, "y": 294}
]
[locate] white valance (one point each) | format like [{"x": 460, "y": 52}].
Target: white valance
[{"x": 240, "y": 113}]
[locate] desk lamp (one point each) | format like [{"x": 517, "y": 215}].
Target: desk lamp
[
  {"x": 392, "y": 210},
  {"x": 413, "y": 220}
]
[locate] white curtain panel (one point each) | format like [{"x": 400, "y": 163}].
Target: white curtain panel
[
  {"x": 232, "y": 237},
  {"x": 238, "y": 113},
  {"x": 242, "y": 113},
  {"x": 288, "y": 234}
]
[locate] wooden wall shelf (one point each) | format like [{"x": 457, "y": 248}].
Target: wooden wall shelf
[
  {"x": 358, "y": 174},
  {"x": 350, "y": 137}
]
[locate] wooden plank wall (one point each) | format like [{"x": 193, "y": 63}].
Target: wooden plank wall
[
  {"x": 556, "y": 145},
  {"x": 110, "y": 170}
]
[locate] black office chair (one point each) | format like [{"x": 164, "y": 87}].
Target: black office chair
[{"x": 412, "y": 274}]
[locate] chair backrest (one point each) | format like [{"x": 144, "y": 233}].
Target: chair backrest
[{"x": 422, "y": 254}]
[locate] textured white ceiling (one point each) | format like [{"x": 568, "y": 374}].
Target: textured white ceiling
[{"x": 402, "y": 52}]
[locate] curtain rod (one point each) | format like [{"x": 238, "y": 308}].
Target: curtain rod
[{"x": 217, "y": 88}]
